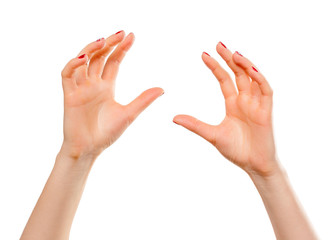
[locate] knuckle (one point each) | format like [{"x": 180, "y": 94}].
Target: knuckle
[
  {"x": 262, "y": 78},
  {"x": 228, "y": 59},
  {"x": 221, "y": 75},
  {"x": 116, "y": 61},
  {"x": 130, "y": 118},
  {"x": 212, "y": 138},
  {"x": 196, "y": 125},
  {"x": 102, "y": 57},
  {"x": 63, "y": 73}
]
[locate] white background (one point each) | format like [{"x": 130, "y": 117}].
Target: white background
[{"x": 160, "y": 181}]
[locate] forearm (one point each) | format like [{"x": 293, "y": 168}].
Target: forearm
[
  {"x": 54, "y": 212},
  {"x": 286, "y": 215}
]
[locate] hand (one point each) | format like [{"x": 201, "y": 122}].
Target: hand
[
  {"x": 93, "y": 120},
  {"x": 245, "y": 136}
]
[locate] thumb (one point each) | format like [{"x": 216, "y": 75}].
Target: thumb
[
  {"x": 141, "y": 102},
  {"x": 200, "y": 128}
]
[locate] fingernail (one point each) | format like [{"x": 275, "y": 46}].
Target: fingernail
[
  {"x": 119, "y": 32},
  {"x": 161, "y": 94},
  {"x": 82, "y": 56},
  {"x": 255, "y": 69},
  {"x": 206, "y": 54},
  {"x": 223, "y": 45},
  {"x": 99, "y": 39},
  {"x": 175, "y": 122},
  {"x": 239, "y": 53}
]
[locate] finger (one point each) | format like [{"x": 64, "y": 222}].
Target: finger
[
  {"x": 89, "y": 50},
  {"x": 255, "y": 91},
  {"x": 92, "y": 47},
  {"x": 255, "y": 94},
  {"x": 242, "y": 80},
  {"x": 226, "y": 83},
  {"x": 113, "y": 62},
  {"x": 251, "y": 70},
  {"x": 97, "y": 61},
  {"x": 200, "y": 128},
  {"x": 68, "y": 82},
  {"x": 141, "y": 102}
]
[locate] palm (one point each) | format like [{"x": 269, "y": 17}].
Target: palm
[
  {"x": 240, "y": 137},
  {"x": 93, "y": 120},
  {"x": 245, "y": 135}
]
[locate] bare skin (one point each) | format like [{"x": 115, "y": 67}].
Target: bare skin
[
  {"x": 93, "y": 121},
  {"x": 245, "y": 137}
]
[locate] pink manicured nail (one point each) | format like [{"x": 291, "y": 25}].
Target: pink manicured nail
[
  {"x": 255, "y": 69},
  {"x": 119, "y": 32},
  {"x": 239, "y": 53},
  {"x": 223, "y": 45},
  {"x": 82, "y": 56},
  {"x": 99, "y": 39},
  {"x": 206, "y": 54}
]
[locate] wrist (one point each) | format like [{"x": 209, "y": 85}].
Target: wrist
[
  {"x": 272, "y": 169},
  {"x": 272, "y": 179},
  {"x": 80, "y": 163},
  {"x": 78, "y": 153}
]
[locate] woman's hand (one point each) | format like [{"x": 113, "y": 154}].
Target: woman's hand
[
  {"x": 245, "y": 136},
  {"x": 93, "y": 120}
]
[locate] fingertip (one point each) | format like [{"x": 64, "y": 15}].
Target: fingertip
[
  {"x": 193, "y": 124},
  {"x": 121, "y": 32},
  {"x": 118, "y": 35},
  {"x": 132, "y": 34},
  {"x": 205, "y": 57},
  {"x": 156, "y": 90},
  {"x": 178, "y": 118},
  {"x": 205, "y": 54},
  {"x": 128, "y": 41},
  {"x": 92, "y": 48},
  {"x": 221, "y": 44},
  {"x": 100, "y": 39},
  {"x": 175, "y": 119},
  {"x": 83, "y": 56},
  {"x": 238, "y": 58},
  {"x": 161, "y": 92},
  {"x": 221, "y": 48},
  {"x": 131, "y": 37},
  {"x": 239, "y": 54},
  {"x": 101, "y": 42},
  {"x": 78, "y": 61},
  {"x": 225, "y": 53}
]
